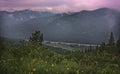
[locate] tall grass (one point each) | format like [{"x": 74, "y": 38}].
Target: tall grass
[{"x": 34, "y": 59}]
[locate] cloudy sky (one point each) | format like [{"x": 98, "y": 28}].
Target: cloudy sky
[{"x": 58, "y": 5}]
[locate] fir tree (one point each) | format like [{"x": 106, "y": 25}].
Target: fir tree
[
  {"x": 111, "y": 40},
  {"x": 118, "y": 44},
  {"x": 102, "y": 46},
  {"x": 36, "y": 38}
]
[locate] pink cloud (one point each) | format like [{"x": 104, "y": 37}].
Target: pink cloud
[{"x": 58, "y": 5}]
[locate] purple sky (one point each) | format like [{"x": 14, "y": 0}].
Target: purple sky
[{"x": 58, "y": 5}]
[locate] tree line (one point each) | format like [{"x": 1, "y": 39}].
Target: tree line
[{"x": 112, "y": 45}]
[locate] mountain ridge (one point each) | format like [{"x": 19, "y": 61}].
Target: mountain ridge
[{"x": 68, "y": 27}]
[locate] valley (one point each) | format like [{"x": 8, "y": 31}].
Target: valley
[{"x": 71, "y": 47}]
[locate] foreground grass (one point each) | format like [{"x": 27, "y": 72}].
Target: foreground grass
[{"x": 31, "y": 59}]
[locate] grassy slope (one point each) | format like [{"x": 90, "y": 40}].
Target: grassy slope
[{"x": 31, "y": 59}]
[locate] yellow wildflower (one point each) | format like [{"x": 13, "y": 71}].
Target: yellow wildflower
[
  {"x": 30, "y": 72},
  {"x": 52, "y": 65},
  {"x": 78, "y": 72},
  {"x": 33, "y": 60},
  {"x": 57, "y": 72},
  {"x": 21, "y": 58},
  {"x": 46, "y": 70},
  {"x": 45, "y": 62},
  {"x": 82, "y": 71},
  {"x": 34, "y": 69},
  {"x": 68, "y": 68}
]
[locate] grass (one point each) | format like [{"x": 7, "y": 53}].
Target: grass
[{"x": 34, "y": 59}]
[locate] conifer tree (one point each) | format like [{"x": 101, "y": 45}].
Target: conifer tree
[
  {"x": 118, "y": 44},
  {"x": 102, "y": 46},
  {"x": 111, "y": 40},
  {"x": 36, "y": 38}
]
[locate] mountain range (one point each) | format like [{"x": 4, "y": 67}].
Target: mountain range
[{"x": 81, "y": 27}]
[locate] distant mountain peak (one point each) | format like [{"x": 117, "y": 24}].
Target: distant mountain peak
[{"x": 106, "y": 9}]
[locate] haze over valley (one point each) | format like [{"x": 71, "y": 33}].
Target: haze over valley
[{"x": 81, "y": 27}]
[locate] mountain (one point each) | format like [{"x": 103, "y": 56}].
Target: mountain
[
  {"x": 9, "y": 21},
  {"x": 82, "y": 27},
  {"x": 86, "y": 26}
]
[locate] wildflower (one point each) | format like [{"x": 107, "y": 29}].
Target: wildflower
[
  {"x": 52, "y": 65},
  {"x": 45, "y": 62},
  {"x": 46, "y": 70},
  {"x": 82, "y": 71},
  {"x": 21, "y": 58},
  {"x": 104, "y": 70},
  {"x": 33, "y": 60},
  {"x": 57, "y": 72},
  {"x": 30, "y": 73},
  {"x": 34, "y": 69},
  {"x": 96, "y": 62},
  {"x": 77, "y": 71},
  {"x": 68, "y": 68}
]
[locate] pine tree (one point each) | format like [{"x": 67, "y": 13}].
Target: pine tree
[
  {"x": 118, "y": 44},
  {"x": 102, "y": 46},
  {"x": 111, "y": 40},
  {"x": 36, "y": 38}
]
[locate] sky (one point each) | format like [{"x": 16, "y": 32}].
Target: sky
[{"x": 58, "y": 5}]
